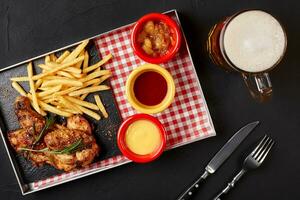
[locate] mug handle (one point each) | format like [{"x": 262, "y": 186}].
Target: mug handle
[{"x": 259, "y": 85}]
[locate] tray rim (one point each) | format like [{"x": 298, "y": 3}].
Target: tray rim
[{"x": 25, "y": 187}]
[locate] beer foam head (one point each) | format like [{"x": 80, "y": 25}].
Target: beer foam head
[{"x": 254, "y": 41}]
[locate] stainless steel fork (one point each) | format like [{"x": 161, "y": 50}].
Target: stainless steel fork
[{"x": 252, "y": 161}]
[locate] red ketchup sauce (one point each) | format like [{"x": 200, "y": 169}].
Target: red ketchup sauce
[{"x": 150, "y": 88}]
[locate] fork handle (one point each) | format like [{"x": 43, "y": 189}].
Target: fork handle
[
  {"x": 230, "y": 185},
  {"x": 190, "y": 192}
]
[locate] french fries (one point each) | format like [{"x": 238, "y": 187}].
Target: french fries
[
  {"x": 49, "y": 91},
  {"x": 18, "y": 88},
  {"x": 54, "y": 110},
  {"x": 53, "y": 57},
  {"x": 69, "y": 106},
  {"x": 38, "y": 83},
  {"x": 95, "y": 75},
  {"x": 101, "y": 79},
  {"x": 89, "y": 90},
  {"x": 20, "y": 79},
  {"x": 64, "y": 83},
  {"x": 59, "y": 67},
  {"x": 47, "y": 59},
  {"x": 86, "y": 60},
  {"x": 100, "y": 106},
  {"x": 82, "y": 103},
  {"x": 98, "y": 64},
  {"x": 89, "y": 112},
  {"x": 62, "y": 56},
  {"x": 75, "y": 52},
  {"x": 32, "y": 88}
]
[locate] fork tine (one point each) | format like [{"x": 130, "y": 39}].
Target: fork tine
[
  {"x": 258, "y": 146},
  {"x": 263, "y": 146},
  {"x": 266, "y": 152}
]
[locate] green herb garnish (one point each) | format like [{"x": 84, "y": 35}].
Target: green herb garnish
[
  {"x": 76, "y": 146},
  {"x": 49, "y": 122}
]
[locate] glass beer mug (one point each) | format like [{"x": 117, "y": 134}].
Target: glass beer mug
[{"x": 251, "y": 42}]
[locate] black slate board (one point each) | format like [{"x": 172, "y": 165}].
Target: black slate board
[{"x": 105, "y": 130}]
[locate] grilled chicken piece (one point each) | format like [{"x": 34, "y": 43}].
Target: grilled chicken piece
[
  {"x": 31, "y": 124},
  {"x": 29, "y": 119},
  {"x": 62, "y": 137},
  {"x": 38, "y": 158},
  {"x": 58, "y": 138},
  {"x": 79, "y": 123},
  {"x": 22, "y": 139}
]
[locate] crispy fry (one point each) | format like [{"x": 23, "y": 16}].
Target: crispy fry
[
  {"x": 68, "y": 104},
  {"x": 50, "y": 91},
  {"x": 95, "y": 75},
  {"x": 18, "y": 88},
  {"x": 59, "y": 67},
  {"x": 89, "y": 90},
  {"x": 43, "y": 113},
  {"x": 20, "y": 79},
  {"x": 89, "y": 112},
  {"x": 51, "y": 101},
  {"x": 54, "y": 110},
  {"x": 78, "y": 65},
  {"x": 38, "y": 83},
  {"x": 75, "y": 52},
  {"x": 44, "y": 88},
  {"x": 100, "y": 106},
  {"x": 101, "y": 79},
  {"x": 62, "y": 81},
  {"x": 32, "y": 88},
  {"x": 65, "y": 74},
  {"x": 45, "y": 67},
  {"x": 52, "y": 65},
  {"x": 62, "y": 56},
  {"x": 98, "y": 64},
  {"x": 94, "y": 82},
  {"x": 53, "y": 57},
  {"x": 47, "y": 59},
  {"x": 78, "y": 75},
  {"x": 86, "y": 60},
  {"x": 70, "y": 110},
  {"x": 82, "y": 103}
]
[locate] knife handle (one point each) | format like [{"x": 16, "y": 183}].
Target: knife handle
[
  {"x": 229, "y": 185},
  {"x": 190, "y": 192}
]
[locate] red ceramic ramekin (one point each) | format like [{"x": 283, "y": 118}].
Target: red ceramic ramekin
[
  {"x": 138, "y": 28},
  {"x": 133, "y": 156}
]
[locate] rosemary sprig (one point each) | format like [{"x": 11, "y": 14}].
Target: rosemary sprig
[
  {"x": 49, "y": 122},
  {"x": 76, "y": 146},
  {"x": 71, "y": 148}
]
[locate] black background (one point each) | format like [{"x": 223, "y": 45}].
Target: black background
[{"x": 29, "y": 28}]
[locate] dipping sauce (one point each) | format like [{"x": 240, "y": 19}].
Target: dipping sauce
[
  {"x": 156, "y": 38},
  {"x": 150, "y": 88},
  {"x": 143, "y": 137}
]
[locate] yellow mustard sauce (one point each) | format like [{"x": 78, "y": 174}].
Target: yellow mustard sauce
[{"x": 142, "y": 137}]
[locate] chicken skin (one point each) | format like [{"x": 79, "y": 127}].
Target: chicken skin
[{"x": 56, "y": 139}]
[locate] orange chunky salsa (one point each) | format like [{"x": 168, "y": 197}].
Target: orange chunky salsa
[{"x": 156, "y": 38}]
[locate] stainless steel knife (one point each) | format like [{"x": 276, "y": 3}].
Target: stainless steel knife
[{"x": 219, "y": 158}]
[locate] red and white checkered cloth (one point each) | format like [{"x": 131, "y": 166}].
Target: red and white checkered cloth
[{"x": 186, "y": 120}]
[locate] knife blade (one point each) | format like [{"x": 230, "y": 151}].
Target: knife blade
[
  {"x": 229, "y": 147},
  {"x": 219, "y": 158}
]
